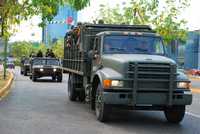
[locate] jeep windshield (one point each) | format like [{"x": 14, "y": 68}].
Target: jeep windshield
[
  {"x": 53, "y": 62},
  {"x": 50, "y": 62},
  {"x": 132, "y": 44},
  {"x": 39, "y": 62}
]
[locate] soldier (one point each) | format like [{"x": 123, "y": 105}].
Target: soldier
[
  {"x": 68, "y": 38},
  {"x": 51, "y": 54},
  {"x": 39, "y": 54},
  {"x": 47, "y": 53}
]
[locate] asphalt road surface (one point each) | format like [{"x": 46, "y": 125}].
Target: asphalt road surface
[
  {"x": 195, "y": 83},
  {"x": 43, "y": 108}
]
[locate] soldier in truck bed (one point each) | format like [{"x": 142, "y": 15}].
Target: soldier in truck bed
[
  {"x": 73, "y": 36},
  {"x": 50, "y": 53}
]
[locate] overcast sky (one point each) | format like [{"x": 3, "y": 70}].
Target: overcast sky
[{"x": 29, "y": 31}]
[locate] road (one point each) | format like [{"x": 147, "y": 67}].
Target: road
[
  {"x": 43, "y": 108},
  {"x": 195, "y": 83}
]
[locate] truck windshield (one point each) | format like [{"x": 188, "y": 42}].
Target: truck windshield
[{"x": 124, "y": 44}]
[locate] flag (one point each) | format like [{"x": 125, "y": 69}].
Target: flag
[{"x": 69, "y": 20}]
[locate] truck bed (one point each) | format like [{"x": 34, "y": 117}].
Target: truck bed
[{"x": 76, "y": 56}]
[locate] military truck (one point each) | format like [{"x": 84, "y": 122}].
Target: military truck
[
  {"x": 46, "y": 67},
  {"x": 125, "y": 67}
]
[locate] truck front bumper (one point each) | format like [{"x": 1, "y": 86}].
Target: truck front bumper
[{"x": 147, "y": 98}]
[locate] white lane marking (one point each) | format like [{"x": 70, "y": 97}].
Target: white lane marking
[{"x": 194, "y": 115}]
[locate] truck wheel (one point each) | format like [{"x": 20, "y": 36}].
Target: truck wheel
[
  {"x": 81, "y": 96},
  {"x": 71, "y": 88},
  {"x": 101, "y": 109},
  {"x": 175, "y": 114}
]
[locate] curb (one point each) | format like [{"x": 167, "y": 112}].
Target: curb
[{"x": 6, "y": 89}]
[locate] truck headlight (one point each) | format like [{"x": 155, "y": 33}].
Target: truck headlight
[
  {"x": 112, "y": 83},
  {"x": 54, "y": 69},
  {"x": 185, "y": 85},
  {"x": 41, "y": 69}
]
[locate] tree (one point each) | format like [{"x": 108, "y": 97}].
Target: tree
[
  {"x": 58, "y": 48},
  {"x": 20, "y": 49},
  {"x": 164, "y": 19},
  {"x": 78, "y": 4},
  {"x": 12, "y": 12},
  {"x": 42, "y": 47}
]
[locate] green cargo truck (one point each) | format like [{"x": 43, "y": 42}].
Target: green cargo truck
[{"x": 124, "y": 66}]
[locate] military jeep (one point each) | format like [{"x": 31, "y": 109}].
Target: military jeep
[{"x": 46, "y": 67}]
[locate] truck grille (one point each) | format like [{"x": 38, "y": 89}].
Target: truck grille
[{"x": 151, "y": 76}]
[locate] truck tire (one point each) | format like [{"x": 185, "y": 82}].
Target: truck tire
[
  {"x": 81, "y": 96},
  {"x": 102, "y": 110},
  {"x": 175, "y": 114},
  {"x": 72, "y": 93}
]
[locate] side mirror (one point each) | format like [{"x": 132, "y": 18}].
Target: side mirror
[{"x": 92, "y": 54}]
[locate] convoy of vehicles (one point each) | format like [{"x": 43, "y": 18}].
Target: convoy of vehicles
[
  {"x": 123, "y": 66},
  {"x": 46, "y": 67}
]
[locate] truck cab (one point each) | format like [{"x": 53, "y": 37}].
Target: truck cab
[{"x": 127, "y": 67}]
